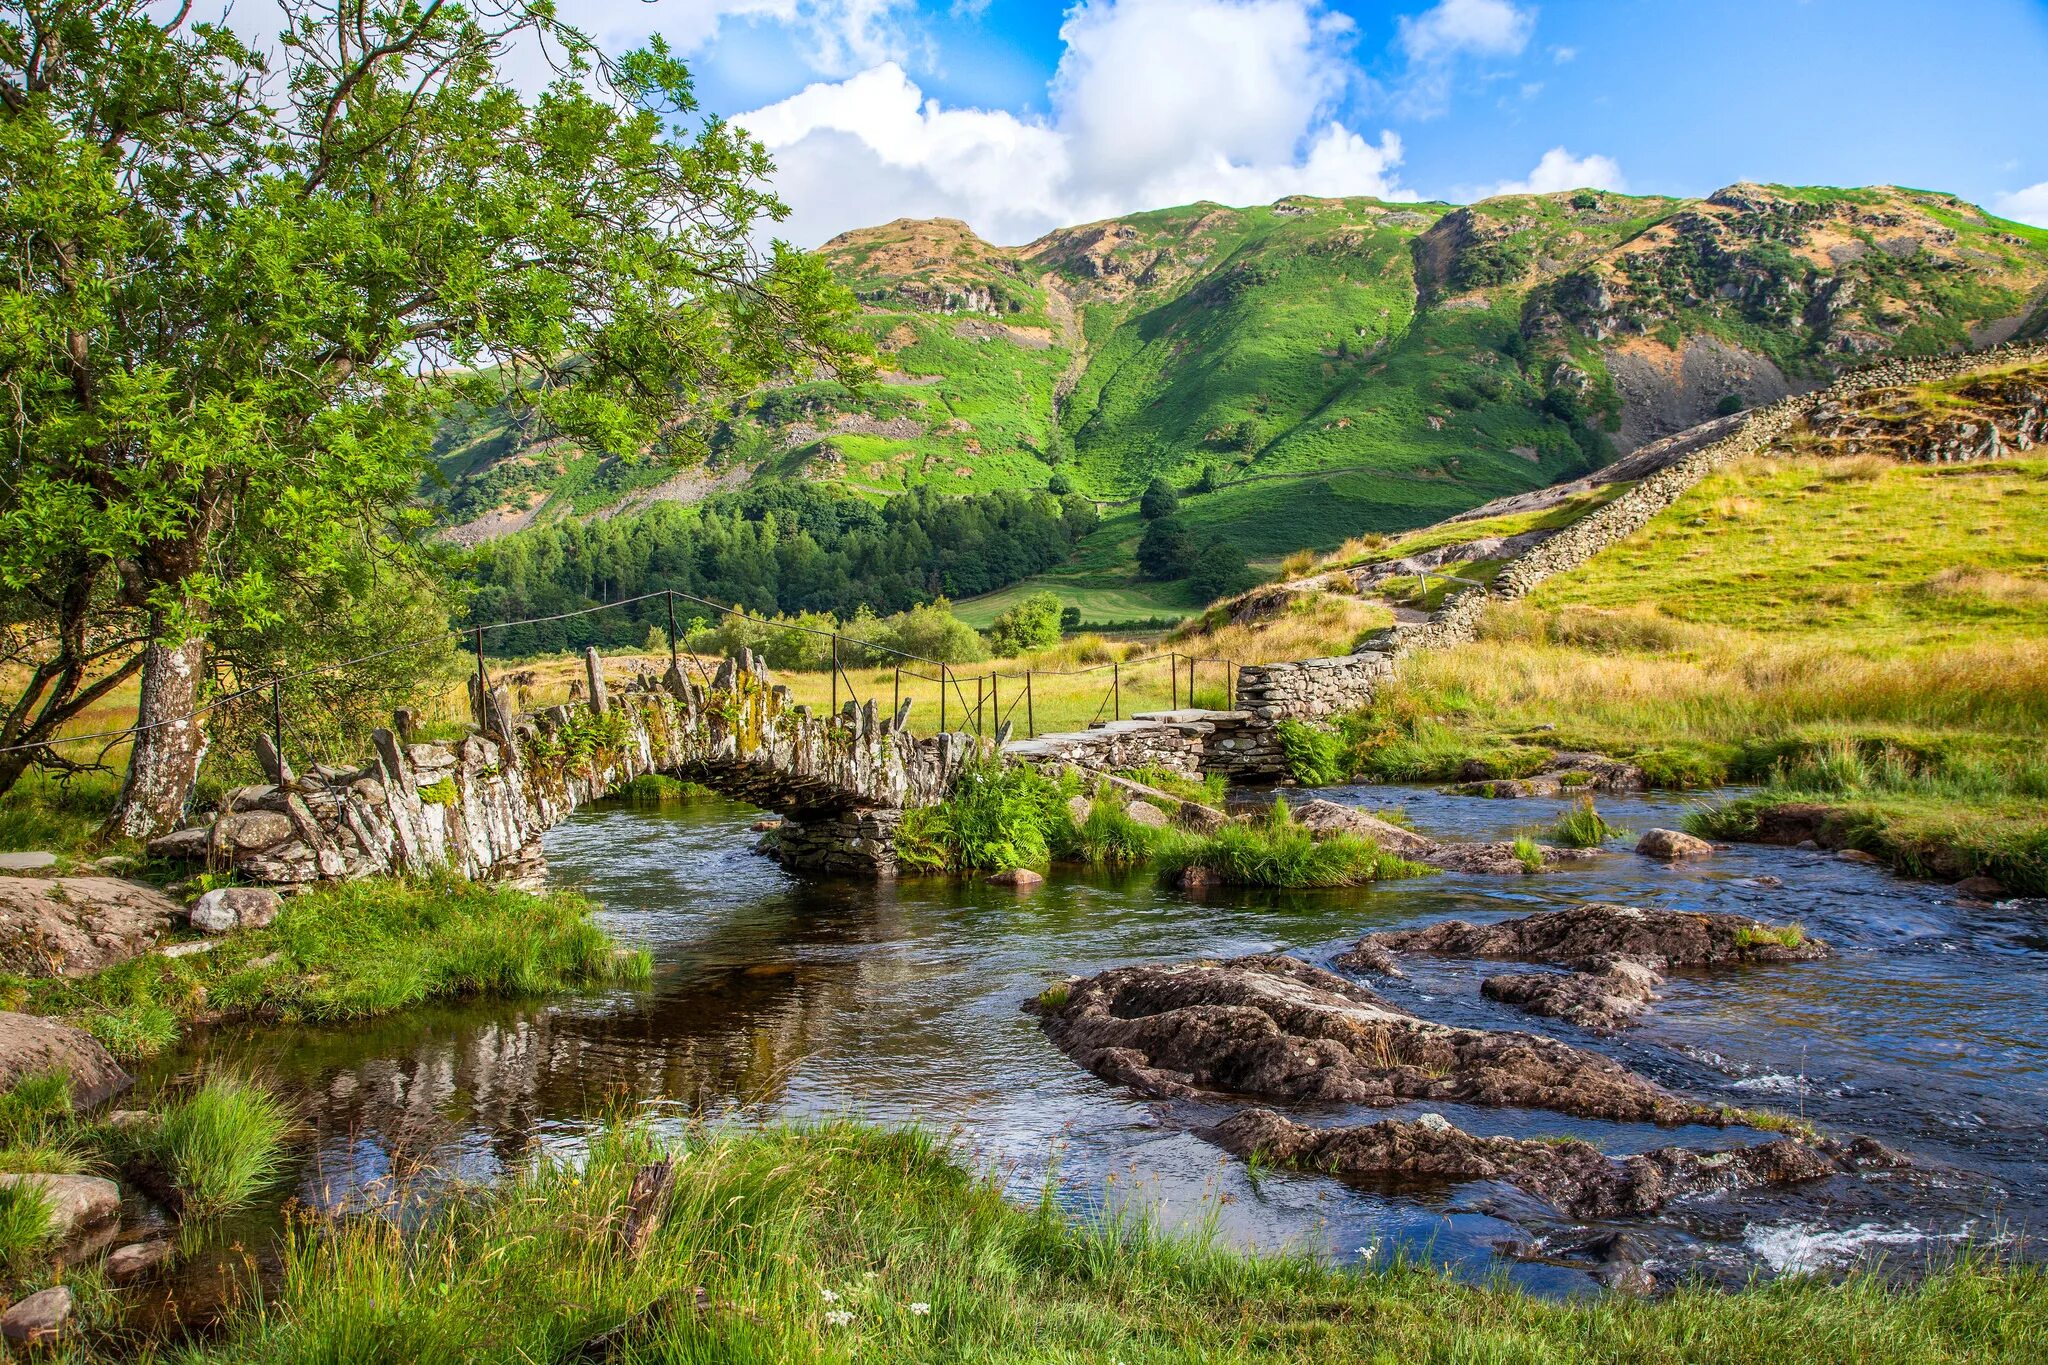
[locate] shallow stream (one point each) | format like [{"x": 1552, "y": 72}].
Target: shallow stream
[{"x": 772, "y": 996}]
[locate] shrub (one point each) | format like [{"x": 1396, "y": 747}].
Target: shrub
[
  {"x": 1160, "y": 500},
  {"x": 999, "y": 816},
  {"x": 1034, "y": 623},
  {"x": 1110, "y": 837},
  {"x": 1314, "y": 755},
  {"x": 221, "y": 1146}
]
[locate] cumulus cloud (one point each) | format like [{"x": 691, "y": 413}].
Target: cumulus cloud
[
  {"x": 1487, "y": 28},
  {"x": 2029, "y": 205},
  {"x": 1155, "y": 102},
  {"x": 1560, "y": 170}
]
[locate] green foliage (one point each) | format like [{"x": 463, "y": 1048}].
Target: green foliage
[
  {"x": 1167, "y": 549},
  {"x": 60, "y": 814},
  {"x": 1759, "y": 935},
  {"x": 348, "y": 951},
  {"x": 659, "y": 789},
  {"x": 269, "y": 298},
  {"x": 1034, "y": 623},
  {"x": 1276, "y": 852},
  {"x": 1110, "y": 837},
  {"x": 441, "y": 793},
  {"x": 219, "y": 1147},
  {"x": 1315, "y": 755},
  {"x": 25, "y": 1225},
  {"x": 1584, "y": 827},
  {"x": 1220, "y": 570},
  {"x": 1528, "y": 853},
  {"x": 34, "y": 1107},
  {"x": 930, "y": 1260},
  {"x": 1160, "y": 500},
  {"x": 999, "y": 816}
]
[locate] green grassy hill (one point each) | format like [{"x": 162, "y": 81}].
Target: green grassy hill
[{"x": 1319, "y": 368}]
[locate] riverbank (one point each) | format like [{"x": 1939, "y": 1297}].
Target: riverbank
[
  {"x": 843, "y": 1242},
  {"x": 342, "y": 952}
]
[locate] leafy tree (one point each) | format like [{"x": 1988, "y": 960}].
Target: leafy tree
[
  {"x": 1059, "y": 485},
  {"x": 1034, "y": 623},
  {"x": 1070, "y": 619},
  {"x": 1167, "y": 549},
  {"x": 1159, "y": 500},
  {"x": 235, "y": 297},
  {"x": 1219, "y": 570}
]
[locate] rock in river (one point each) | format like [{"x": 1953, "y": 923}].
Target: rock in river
[
  {"x": 1278, "y": 1028},
  {"x": 1673, "y": 845},
  {"x": 1574, "y": 1177}
]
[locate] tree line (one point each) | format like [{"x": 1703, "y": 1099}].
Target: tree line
[{"x": 780, "y": 549}]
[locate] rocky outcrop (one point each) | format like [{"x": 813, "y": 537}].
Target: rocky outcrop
[
  {"x": 69, "y": 926},
  {"x": 31, "y": 1045},
  {"x": 1277, "y": 1028},
  {"x": 1325, "y": 818},
  {"x": 1562, "y": 774},
  {"x": 1617, "y": 953},
  {"x": 1574, "y": 1177},
  {"x": 1999, "y": 413}
]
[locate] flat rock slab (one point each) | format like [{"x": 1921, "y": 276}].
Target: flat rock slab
[
  {"x": 76, "y": 1201},
  {"x": 71, "y": 926},
  {"x": 1574, "y": 1177},
  {"x": 1325, "y": 818},
  {"x": 31, "y": 1045},
  {"x": 136, "y": 1259},
  {"x": 32, "y": 861},
  {"x": 1275, "y": 1027}
]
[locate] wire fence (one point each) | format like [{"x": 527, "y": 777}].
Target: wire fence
[{"x": 986, "y": 714}]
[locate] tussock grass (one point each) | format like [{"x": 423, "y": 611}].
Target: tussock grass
[
  {"x": 349, "y": 951},
  {"x": 838, "y": 1242},
  {"x": 1528, "y": 853},
  {"x": 1312, "y": 624},
  {"x": 1277, "y": 852},
  {"x": 220, "y": 1146},
  {"x": 25, "y": 1220},
  {"x": 1758, "y": 935},
  {"x": 1583, "y": 827}
]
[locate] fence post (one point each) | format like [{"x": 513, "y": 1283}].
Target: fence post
[
  {"x": 995, "y": 700},
  {"x": 1030, "y": 719},
  {"x": 277, "y": 724},
  {"x": 980, "y": 684},
  {"x": 1173, "y": 679},
  {"x": 942, "y": 699},
  {"x": 896, "y": 694},
  {"x": 1191, "y": 681},
  {"x": 835, "y": 674},
  {"x": 483, "y": 685},
  {"x": 672, "y": 634},
  {"x": 1116, "y": 690}
]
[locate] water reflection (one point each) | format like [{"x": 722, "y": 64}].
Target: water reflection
[{"x": 777, "y": 997}]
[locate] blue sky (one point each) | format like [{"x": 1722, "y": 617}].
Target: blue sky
[{"x": 1021, "y": 115}]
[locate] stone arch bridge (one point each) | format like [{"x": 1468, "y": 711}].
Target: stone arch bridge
[{"x": 478, "y": 805}]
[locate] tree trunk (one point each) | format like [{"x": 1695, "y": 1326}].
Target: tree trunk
[{"x": 164, "y": 764}]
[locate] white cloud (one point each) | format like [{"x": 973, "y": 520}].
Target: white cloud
[
  {"x": 1560, "y": 170},
  {"x": 2029, "y": 205},
  {"x": 1155, "y": 102},
  {"x": 1487, "y": 28},
  {"x": 1561, "y": 55}
]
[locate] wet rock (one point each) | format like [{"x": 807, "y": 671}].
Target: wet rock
[
  {"x": 1198, "y": 879},
  {"x": 1618, "y": 953},
  {"x": 1857, "y": 855},
  {"x": 763, "y": 826},
  {"x": 228, "y": 908},
  {"x": 32, "y": 861},
  {"x": 1603, "y": 1001},
  {"x": 75, "y": 1201},
  {"x": 135, "y": 1260},
  {"x": 70, "y": 926},
  {"x": 37, "y": 1319},
  {"x": 1562, "y": 774},
  {"x": 31, "y": 1045},
  {"x": 1016, "y": 876},
  {"x": 1325, "y": 818},
  {"x": 1793, "y": 823},
  {"x": 1574, "y": 1177},
  {"x": 1673, "y": 845},
  {"x": 1982, "y": 888},
  {"x": 1589, "y": 937},
  {"x": 1278, "y": 1028}
]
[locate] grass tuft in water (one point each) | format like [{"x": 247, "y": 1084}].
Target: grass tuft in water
[
  {"x": 1528, "y": 853},
  {"x": 1277, "y": 852},
  {"x": 219, "y": 1147},
  {"x": 1583, "y": 827}
]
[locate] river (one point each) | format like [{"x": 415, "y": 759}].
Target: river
[{"x": 778, "y": 997}]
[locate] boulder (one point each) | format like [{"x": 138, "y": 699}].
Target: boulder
[
  {"x": 76, "y": 1201},
  {"x": 1673, "y": 845},
  {"x": 1016, "y": 876},
  {"x": 1079, "y": 808},
  {"x": 1572, "y": 1176},
  {"x": 228, "y": 908},
  {"x": 31, "y": 1045},
  {"x": 136, "y": 1260},
  {"x": 1277, "y": 1028},
  {"x": 1857, "y": 855},
  {"x": 37, "y": 1319},
  {"x": 183, "y": 846},
  {"x": 1982, "y": 888},
  {"x": 1147, "y": 814},
  {"x": 1198, "y": 879},
  {"x": 70, "y": 926},
  {"x": 1602, "y": 1001}
]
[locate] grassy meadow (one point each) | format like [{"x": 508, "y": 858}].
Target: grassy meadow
[{"x": 1785, "y": 608}]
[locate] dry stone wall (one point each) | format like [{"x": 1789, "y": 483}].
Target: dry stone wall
[
  {"x": 1312, "y": 689},
  {"x": 480, "y": 804}
]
